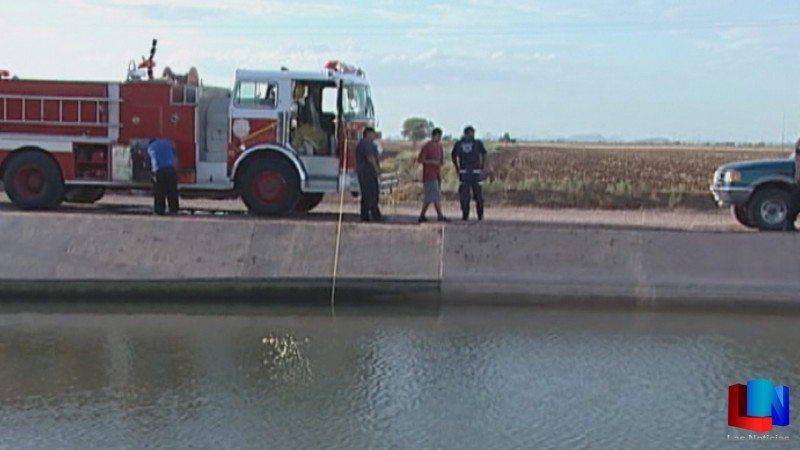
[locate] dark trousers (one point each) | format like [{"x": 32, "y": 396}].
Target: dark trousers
[
  {"x": 165, "y": 190},
  {"x": 794, "y": 206},
  {"x": 470, "y": 189},
  {"x": 370, "y": 192}
]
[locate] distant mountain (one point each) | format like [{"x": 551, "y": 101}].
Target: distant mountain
[
  {"x": 655, "y": 141},
  {"x": 598, "y": 138},
  {"x": 586, "y": 138}
]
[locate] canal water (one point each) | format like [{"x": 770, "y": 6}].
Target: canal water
[{"x": 250, "y": 378}]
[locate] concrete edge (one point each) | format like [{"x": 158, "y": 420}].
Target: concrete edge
[
  {"x": 412, "y": 293},
  {"x": 267, "y": 291},
  {"x": 652, "y": 297}
]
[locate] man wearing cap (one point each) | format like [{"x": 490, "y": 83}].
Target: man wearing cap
[{"x": 469, "y": 157}]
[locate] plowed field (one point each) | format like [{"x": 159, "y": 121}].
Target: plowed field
[{"x": 596, "y": 176}]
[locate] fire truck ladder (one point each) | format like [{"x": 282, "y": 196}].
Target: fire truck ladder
[{"x": 22, "y": 110}]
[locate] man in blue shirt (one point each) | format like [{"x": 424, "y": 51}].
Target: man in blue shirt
[{"x": 163, "y": 163}]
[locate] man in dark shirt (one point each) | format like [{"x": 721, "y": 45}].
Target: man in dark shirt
[
  {"x": 163, "y": 163},
  {"x": 368, "y": 169},
  {"x": 469, "y": 156}
]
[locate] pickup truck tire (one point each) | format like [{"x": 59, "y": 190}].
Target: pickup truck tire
[
  {"x": 742, "y": 215},
  {"x": 769, "y": 209}
]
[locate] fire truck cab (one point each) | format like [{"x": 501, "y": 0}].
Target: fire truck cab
[{"x": 279, "y": 139}]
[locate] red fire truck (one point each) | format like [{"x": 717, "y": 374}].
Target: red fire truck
[{"x": 277, "y": 139}]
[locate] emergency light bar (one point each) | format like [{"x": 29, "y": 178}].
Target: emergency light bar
[
  {"x": 341, "y": 67},
  {"x": 4, "y": 74}
]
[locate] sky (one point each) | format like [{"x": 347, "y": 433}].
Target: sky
[{"x": 696, "y": 70}]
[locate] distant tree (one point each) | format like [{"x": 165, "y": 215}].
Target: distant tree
[
  {"x": 416, "y": 129},
  {"x": 506, "y": 139}
]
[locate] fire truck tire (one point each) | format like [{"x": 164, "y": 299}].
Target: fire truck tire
[
  {"x": 86, "y": 195},
  {"x": 32, "y": 180},
  {"x": 270, "y": 187},
  {"x": 308, "y": 202}
]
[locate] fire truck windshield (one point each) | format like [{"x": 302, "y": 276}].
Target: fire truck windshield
[{"x": 357, "y": 102}]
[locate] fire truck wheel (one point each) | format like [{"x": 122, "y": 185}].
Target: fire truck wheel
[
  {"x": 33, "y": 181},
  {"x": 270, "y": 187},
  {"x": 308, "y": 202}
]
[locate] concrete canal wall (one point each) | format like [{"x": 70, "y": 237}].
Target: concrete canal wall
[
  {"x": 622, "y": 266},
  {"x": 52, "y": 253}
]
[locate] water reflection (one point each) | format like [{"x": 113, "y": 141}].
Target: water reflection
[{"x": 481, "y": 379}]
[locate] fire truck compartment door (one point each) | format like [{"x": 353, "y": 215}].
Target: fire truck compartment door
[
  {"x": 215, "y": 146},
  {"x": 122, "y": 163},
  {"x": 212, "y": 173}
]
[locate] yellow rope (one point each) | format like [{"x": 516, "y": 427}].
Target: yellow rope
[
  {"x": 258, "y": 133},
  {"x": 338, "y": 236}
]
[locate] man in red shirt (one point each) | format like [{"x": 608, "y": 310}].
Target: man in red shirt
[{"x": 431, "y": 156}]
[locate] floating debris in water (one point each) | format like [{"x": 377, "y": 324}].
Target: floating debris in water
[{"x": 284, "y": 359}]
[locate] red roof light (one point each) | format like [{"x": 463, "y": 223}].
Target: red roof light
[{"x": 342, "y": 67}]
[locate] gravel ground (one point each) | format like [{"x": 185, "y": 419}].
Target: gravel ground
[{"x": 406, "y": 214}]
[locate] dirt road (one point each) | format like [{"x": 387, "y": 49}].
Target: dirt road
[{"x": 407, "y": 214}]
